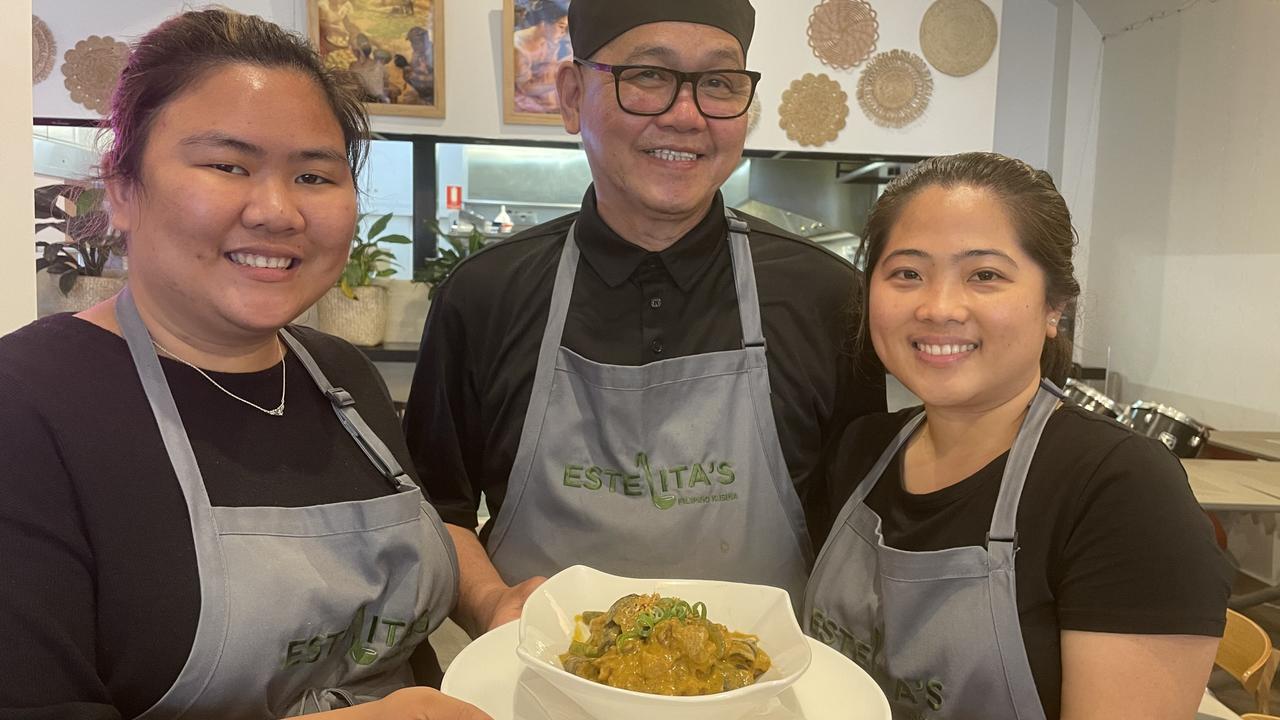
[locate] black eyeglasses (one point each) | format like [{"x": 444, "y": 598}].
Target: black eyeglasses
[{"x": 652, "y": 90}]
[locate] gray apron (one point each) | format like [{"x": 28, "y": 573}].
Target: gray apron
[
  {"x": 939, "y": 630},
  {"x": 670, "y": 470},
  {"x": 301, "y": 609}
]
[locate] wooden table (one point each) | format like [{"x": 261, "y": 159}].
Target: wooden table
[
  {"x": 1240, "y": 485},
  {"x": 1241, "y": 445}
]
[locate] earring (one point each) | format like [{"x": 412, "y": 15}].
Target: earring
[{"x": 1053, "y": 320}]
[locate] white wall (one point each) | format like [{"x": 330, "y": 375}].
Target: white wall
[
  {"x": 17, "y": 257},
  {"x": 1024, "y": 98},
  {"x": 1047, "y": 106},
  {"x": 1185, "y": 258},
  {"x": 1079, "y": 159},
  {"x": 961, "y": 116}
]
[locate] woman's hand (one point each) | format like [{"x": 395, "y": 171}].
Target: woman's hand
[{"x": 421, "y": 703}]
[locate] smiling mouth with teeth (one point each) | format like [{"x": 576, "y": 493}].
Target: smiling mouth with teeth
[
  {"x": 673, "y": 155},
  {"x": 261, "y": 261},
  {"x": 944, "y": 350}
]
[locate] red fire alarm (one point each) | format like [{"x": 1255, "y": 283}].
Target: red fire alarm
[{"x": 453, "y": 197}]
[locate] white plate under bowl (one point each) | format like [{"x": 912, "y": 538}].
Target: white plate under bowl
[
  {"x": 549, "y": 620},
  {"x": 488, "y": 674}
]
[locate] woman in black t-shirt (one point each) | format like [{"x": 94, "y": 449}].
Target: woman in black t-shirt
[
  {"x": 187, "y": 529},
  {"x": 1000, "y": 554}
]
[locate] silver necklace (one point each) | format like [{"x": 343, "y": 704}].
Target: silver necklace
[{"x": 277, "y": 411}]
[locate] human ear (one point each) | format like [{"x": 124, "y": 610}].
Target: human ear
[
  {"x": 1052, "y": 320},
  {"x": 570, "y": 91},
  {"x": 122, "y": 199}
]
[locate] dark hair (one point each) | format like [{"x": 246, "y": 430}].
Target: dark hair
[
  {"x": 1040, "y": 219},
  {"x": 183, "y": 49},
  {"x": 544, "y": 11}
]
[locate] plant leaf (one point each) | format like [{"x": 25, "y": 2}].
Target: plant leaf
[
  {"x": 397, "y": 239},
  {"x": 51, "y": 251},
  {"x": 346, "y": 289},
  {"x": 66, "y": 282},
  {"x": 88, "y": 201},
  {"x": 60, "y": 268},
  {"x": 47, "y": 200},
  {"x": 386, "y": 272},
  {"x": 41, "y": 264},
  {"x": 379, "y": 225}
]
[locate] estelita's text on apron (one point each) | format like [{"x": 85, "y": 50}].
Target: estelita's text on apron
[
  {"x": 927, "y": 694},
  {"x": 666, "y": 486},
  {"x": 379, "y": 640}
]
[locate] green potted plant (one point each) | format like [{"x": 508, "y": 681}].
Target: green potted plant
[
  {"x": 76, "y": 265},
  {"x": 356, "y": 309},
  {"x": 435, "y": 270}
]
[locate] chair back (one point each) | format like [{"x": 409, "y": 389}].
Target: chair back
[{"x": 1246, "y": 654}]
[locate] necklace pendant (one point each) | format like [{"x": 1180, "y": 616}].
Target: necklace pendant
[{"x": 278, "y": 411}]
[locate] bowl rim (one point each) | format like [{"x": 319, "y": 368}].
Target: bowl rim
[{"x": 539, "y": 665}]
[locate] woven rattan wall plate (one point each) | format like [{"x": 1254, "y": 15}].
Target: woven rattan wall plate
[
  {"x": 813, "y": 110},
  {"x": 958, "y": 36},
  {"x": 895, "y": 88},
  {"x": 44, "y": 51},
  {"x": 843, "y": 33},
  {"x": 91, "y": 69}
]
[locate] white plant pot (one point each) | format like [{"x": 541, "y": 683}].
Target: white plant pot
[
  {"x": 407, "y": 306},
  {"x": 362, "y": 321},
  {"x": 88, "y": 291}
]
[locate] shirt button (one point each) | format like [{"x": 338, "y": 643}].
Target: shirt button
[
  {"x": 657, "y": 347},
  {"x": 655, "y": 303}
]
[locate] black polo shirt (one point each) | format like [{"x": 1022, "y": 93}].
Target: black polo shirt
[{"x": 629, "y": 306}]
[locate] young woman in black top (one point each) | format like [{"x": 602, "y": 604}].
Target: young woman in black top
[
  {"x": 187, "y": 529},
  {"x": 998, "y": 553}
]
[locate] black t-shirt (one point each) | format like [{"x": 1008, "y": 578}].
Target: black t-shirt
[
  {"x": 101, "y": 594},
  {"x": 1110, "y": 538},
  {"x": 629, "y": 306}
]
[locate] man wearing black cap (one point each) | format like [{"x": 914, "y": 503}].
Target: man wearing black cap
[{"x": 646, "y": 386}]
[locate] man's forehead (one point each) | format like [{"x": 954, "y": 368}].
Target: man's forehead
[{"x": 675, "y": 43}]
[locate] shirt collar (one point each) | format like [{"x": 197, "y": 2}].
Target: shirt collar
[{"x": 615, "y": 259}]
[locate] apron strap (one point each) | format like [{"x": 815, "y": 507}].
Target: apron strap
[
  {"x": 744, "y": 279},
  {"x": 174, "y": 434},
  {"x": 868, "y": 483},
  {"x": 1004, "y": 528},
  {"x": 344, "y": 406}
]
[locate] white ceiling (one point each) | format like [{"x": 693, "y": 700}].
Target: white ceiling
[{"x": 1112, "y": 15}]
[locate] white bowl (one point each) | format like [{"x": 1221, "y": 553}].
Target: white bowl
[{"x": 548, "y": 621}]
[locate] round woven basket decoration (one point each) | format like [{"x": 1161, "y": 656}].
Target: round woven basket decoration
[
  {"x": 44, "y": 50},
  {"x": 895, "y": 88},
  {"x": 91, "y": 69},
  {"x": 753, "y": 115},
  {"x": 843, "y": 33},
  {"x": 813, "y": 110},
  {"x": 958, "y": 36}
]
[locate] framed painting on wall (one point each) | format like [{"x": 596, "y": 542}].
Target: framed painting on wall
[
  {"x": 536, "y": 43},
  {"x": 394, "y": 47}
]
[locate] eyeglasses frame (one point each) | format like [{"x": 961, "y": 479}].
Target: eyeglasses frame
[{"x": 691, "y": 78}]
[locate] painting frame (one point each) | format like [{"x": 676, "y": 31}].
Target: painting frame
[
  {"x": 512, "y": 114},
  {"x": 432, "y": 16}
]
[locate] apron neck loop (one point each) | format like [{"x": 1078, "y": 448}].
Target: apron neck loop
[{"x": 744, "y": 280}]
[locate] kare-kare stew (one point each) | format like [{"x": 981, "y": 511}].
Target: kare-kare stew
[{"x": 664, "y": 646}]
